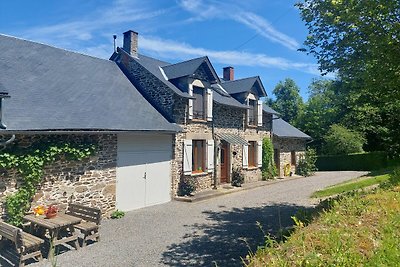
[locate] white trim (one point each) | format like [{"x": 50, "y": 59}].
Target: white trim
[
  {"x": 209, "y": 93},
  {"x": 259, "y": 113},
  {"x": 187, "y": 157},
  {"x": 210, "y": 155},
  {"x": 163, "y": 73},
  {"x": 190, "y": 103},
  {"x": 259, "y": 153},
  {"x": 245, "y": 157}
]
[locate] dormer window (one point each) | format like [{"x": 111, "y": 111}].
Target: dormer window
[
  {"x": 198, "y": 103},
  {"x": 252, "y": 113},
  {"x": 200, "y": 106}
]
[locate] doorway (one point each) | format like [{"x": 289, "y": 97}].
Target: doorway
[
  {"x": 224, "y": 163},
  {"x": 277, "y": 161}
]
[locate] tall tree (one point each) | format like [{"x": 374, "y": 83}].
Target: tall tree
[
  {"x": 360, "y": 41},
  {"x": 288, "y": 101},
  {"x": 321, "y": 110}
]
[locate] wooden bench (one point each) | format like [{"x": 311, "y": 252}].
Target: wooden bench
[
  {"x": 26, "y": 245},
  {"x": 91, "y": 218}
]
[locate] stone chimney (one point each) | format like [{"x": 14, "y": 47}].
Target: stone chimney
[
  {"x": 228, "y": 74},
  {"x": 131, "y": 43}
]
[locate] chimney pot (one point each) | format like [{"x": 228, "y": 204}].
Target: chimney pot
[
  {"x": 131, "y": 43},
  {"x": 228, "y": 73}
]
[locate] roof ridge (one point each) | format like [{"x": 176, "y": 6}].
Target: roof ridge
[
  {"x": 53, "y": 46},
  {"x": 193, "y": 59}
]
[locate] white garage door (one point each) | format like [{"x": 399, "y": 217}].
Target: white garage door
[{"x": 143, "y": 171}]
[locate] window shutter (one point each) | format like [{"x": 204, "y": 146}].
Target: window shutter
[
  {"x": 245, "y": 156},
  {"x": 259, "y": 153},
  {"x": 259, "y": 113},
  {"x": 187, "y": 157},
  {"x": 190, "y": 110},
  {"x": 209, "y": 104},
  {"x": 210, "y": 155}
]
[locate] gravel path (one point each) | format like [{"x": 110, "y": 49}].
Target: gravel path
[{"x": 219, "y": 230}]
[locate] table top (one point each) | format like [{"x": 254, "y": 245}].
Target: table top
[{"x": 60, "y": 220}]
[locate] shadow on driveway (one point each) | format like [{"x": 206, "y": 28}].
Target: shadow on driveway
[{"x": 229, "y": 235}]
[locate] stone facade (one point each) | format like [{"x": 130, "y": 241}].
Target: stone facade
[
  {"x": 90, "y": 181},
  {"x": 285, "y": 147}
]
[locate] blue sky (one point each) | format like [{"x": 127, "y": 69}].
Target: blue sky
[{"x": 256, "y": 37}]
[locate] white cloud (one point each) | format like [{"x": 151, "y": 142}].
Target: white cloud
[
  {"x": 205, "y": 10},
  {"x": 174, "y": 50}
]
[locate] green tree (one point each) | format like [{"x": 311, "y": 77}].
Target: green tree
[
  {"x": 360, "y": 41},
  {"x": 288, "y": 101},
  {"x": 321, "y": 110},
  {"x": 340, "y": 140}
]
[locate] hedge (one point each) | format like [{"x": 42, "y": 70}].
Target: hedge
[{"x": 355, "y": 162}]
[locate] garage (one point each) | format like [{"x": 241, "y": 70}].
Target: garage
[{"x": 143, "y": 171}]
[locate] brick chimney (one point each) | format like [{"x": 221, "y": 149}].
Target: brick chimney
[
  {"x": 131, "y": 43},
  {"x": 229, "y": 73}
]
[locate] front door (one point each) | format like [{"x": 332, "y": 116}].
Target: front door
[{"x": 224, "y": 163}]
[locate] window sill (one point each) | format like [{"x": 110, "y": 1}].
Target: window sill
[
  {"x": 252, "y": 126},
  {"x": 198, "y": 174},
  {"x": 252, "y": 168},
  {"x": 198, "y": 120}
]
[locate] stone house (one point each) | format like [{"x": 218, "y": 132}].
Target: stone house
[
  {"x": 289, "y": 144},
  {"x": 71, "y": 96},
  {"x": 222, "y": 119}
]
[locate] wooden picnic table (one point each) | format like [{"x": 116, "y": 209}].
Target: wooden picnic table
[{"x": 61, "y": 228}]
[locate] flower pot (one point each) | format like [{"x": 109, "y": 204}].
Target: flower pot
[{"x": 51, "y": 215}]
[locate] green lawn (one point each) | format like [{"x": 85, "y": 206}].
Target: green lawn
[{"x": 355, "y": 184}]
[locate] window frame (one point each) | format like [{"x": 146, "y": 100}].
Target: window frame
[
  {"x": 198, "y": 151},
  {"x": 252, "y": 155},
  {"x": 252, "y": 112},
  {"x": 195, "y": 92}
]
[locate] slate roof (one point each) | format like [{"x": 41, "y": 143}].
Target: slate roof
[
  {"x": 183, "y": 68},
  {"x": 186, "y": 68},
  {"x": 244, "y": 85},
  {"x": 269, "y": 110},
  {"x": 53, "y": 89},
  {"x": 283, "y": 129}
]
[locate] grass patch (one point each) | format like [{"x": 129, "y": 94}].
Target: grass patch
[
  {"x": 351, "y": 185},
  {"x": 355, "y": 229}
]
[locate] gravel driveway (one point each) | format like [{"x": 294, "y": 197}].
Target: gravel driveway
[{"x": 218, "y": 230}]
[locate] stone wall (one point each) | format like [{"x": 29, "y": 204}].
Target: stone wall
[
  {"x": 226, "y": 120},
  {"x": 285, "y": 147},
  {"x": 89, "y": 182}
]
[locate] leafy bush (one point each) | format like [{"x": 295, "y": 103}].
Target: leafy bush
[
  {"x": 117, "y": 214},
  {"x": 340, "y": 140},
  {"x": 394, "y": 179},
  {"x": 356, "y": 162},
  {"x": 237, "y": 177},
  {"x": 268, "y": 165},
  {"x": 306, "y": 166},
  {"x": 186, "y": 187}
]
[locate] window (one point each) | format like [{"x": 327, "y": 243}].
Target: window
[
  {"x": 198, "y": 156},
  {"x": 293, "y": 157},
  {"x": 252, "y": 154},
  {"x": 198, "y": 103},
  {"x": 252, "y": 112}
]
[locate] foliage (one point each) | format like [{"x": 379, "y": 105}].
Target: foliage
[
  {"x": 117, "y": 214},
  {"x": 360, "y": 41},
  {"x": 394, "y": 179},
  {"x": 358, "y": 229},
  {"x": 306, "y": 165},
  {"x": 355, "y": 162},
  {"x": 30, "y": 162},
  {"x": 352, "y": 185},
  {"x": 186, "y": 187},
  {"x": 237, "y": 177},
  {"x": 268, "y": 165},
  {"x": 339, "y": 140},
  {"x": 321, "y": 110},
  {"x": 288, "y": 100}
]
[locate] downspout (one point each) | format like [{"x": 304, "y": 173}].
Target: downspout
[{"x": 215, "y": 152}]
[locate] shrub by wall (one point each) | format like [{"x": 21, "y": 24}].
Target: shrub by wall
[{"x": 356, "y": 162}]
